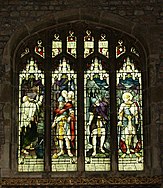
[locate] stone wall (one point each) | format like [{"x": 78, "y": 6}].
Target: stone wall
[{"x": 17, "y": 14}]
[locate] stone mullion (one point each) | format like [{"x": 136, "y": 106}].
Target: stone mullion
[
  {"x": 48, "y": 61},
  {"x": 113, "y": 106},
  {"x": 80, "y": 101}
]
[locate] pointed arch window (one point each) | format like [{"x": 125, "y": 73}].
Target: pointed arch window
[{"x": 80, "y": 99}]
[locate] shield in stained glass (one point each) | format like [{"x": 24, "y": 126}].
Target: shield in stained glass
[
  {"x": 97, "y": 119},
  {"x": 64, "y": 116},
  {"x": 39, "y": 49},
  {"x": 31, "y": 119},
  {"x": 129, "y": 110},
  {"x": 120, "y": 48}
]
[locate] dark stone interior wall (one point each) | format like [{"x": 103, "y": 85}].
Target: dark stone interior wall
[{"x": 16, "y": 14}]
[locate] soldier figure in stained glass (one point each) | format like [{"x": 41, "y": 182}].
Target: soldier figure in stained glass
[
  {"x": 97, "y": 121},
  {"x": 64, "y": 122}
]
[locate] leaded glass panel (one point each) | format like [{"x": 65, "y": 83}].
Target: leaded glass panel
[
  {"x": 103, "y": 46},
  {"x": 97, "y": 120},
  {"x": 134, "y": 51},
  {"x": 64, "y": 117},
  {"x": 31, "y": 119},
  {"x": 129, "y": 110},
  {"x": 120, "y": 48},
  {"x": 88, "y": 44},
  {"x": 71, "y": 44},
  {"x": 56, "y": 45},
  {"x": 39, "y": 49}
]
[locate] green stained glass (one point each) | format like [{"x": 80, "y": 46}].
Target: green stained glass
[
  {"x": 103, "y": 46},
  {"x": 56, "y": 45},
  {"x": 71, "y": 44},
  {"x": 129, "y": 109},
  {"x": 31, "y": 119},
  {"x": 64, "y": 118},
  {"x": 88, "y": 44},
  {"x": 120, "y": 48},
  {"x": 97, "y": 119}
]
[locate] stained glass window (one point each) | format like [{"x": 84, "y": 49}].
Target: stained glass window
[
  {"x": 39, "y": 49},
  {"x": 64, "y": 117},
  {"x": 97, "y": 120},
  {"x": 120, "y": 49},
  {"x": 31, "y": 118},
  {"x": 103, "y": 45},
  {"x": 56, "y": 45},
  {"x": 88, "y": 43},
  {"x": 71, "y": 44},
  {"x": 80, "y": 97},
  {"x": 129, "y": 127}
]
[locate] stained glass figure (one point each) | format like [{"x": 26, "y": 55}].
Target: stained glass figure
[
  {"x": 56, "y": 45},
  {"x": 39, "y": 49},
  {"x": 31, "y": 119},
  {"x": 133, "y": 50},
  {"x": 97, "y": 118},
  {"x": 71, "y": 44},
  {"x": 64, "y": 116},
  {"x": 88, "y": 44},
  {"x": 129, "y": 128},
  {"x": 103, "y": 46},
  {"x": 120, "y": 48}
]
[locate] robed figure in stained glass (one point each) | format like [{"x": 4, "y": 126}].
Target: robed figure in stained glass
[{"x": 31, "y": 117}]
